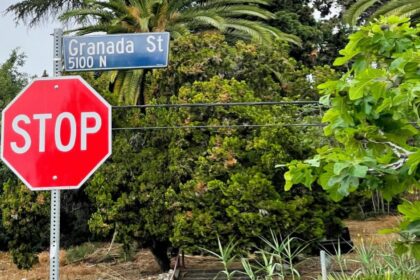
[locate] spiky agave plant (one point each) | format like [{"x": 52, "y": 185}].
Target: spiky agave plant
[{"x": 226, "y": 256}]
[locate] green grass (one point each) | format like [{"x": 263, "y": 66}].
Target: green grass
[
  {"x": 276, "y": 261},
  {"x": 379, "y": 263},
  {"x": 79, "y": 253}
]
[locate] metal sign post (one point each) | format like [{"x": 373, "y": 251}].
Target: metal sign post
[
  {"x": 55, "y": 235},
  {"x": 55, "y": 194}
]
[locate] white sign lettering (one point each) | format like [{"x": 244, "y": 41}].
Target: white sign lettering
[
  {"x": 21, "y": 132},
  {"x": 151, "y": 41},
  {"x": 90, "y": 123},
  {"x": 122, "y": 46}
]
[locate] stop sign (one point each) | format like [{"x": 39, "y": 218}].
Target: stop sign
[{"x": 56, "y": 133}]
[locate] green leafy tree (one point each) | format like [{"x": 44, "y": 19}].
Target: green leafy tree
[
  {"x": 373, "y": 107},
  {"x": 128, "y": 192},
  {"x": 322, "y": 38},
  {"x": 11, "y": 81},
  {"x": 19, "y": 208},
  {"x": 234, "y": 191}
]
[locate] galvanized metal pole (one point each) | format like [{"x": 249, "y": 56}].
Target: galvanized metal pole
[
  {"x": 55, "y": 236},
  {"x": 58, "y": 47},
  {"x": 55, "y": 194},
  {"x": 323, "y": 259}
]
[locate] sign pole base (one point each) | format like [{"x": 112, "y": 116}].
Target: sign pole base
[{"x": 55, "y": 235}]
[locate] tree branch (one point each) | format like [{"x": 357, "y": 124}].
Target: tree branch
[{"x": 400, "y": 152}]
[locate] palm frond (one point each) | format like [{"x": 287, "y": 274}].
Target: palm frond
[
  {"x": 160, "y": 19},
  {"x": 258, "y": 32},
  {"x": 118, "y": 81},
  {"x": 100, "y": 27},
  {"x": 241, "y": 10},
  {"x": 399, "y": 8},
  {"x": 352, "y": 15},
  {"x": 413, "y": 13},
  {"x": 33, "y": 12},
  {"x": 177, "y": 30},
  {"x": 126, "y": 85},
  {"x": 215, "y": 21},
  {"x": 178, "y": 5},
  {"x": 124, "y": 94},
  {"x": 249, "y": 28},
  {"x": 283, "y": 36},
  {"x": 235, "y": 2},
  {"x": 80, "y": 15},
  {"x": 132, "y": 91},
  {"x": 117, "y": 6}
]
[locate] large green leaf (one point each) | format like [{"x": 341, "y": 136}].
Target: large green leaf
[
  {"x": 415, "y": 250},
  {"x": 359, "y": 171},
  {"x": 413, "y": 162},
  {"x": 410, "y": 209},
  {"x": 340, "y": 166},
  {"x": 362, "y": 84}
]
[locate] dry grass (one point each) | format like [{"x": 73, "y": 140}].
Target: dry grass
[
  {"x": 366, "y": 231},
  {"x": 143, "y": 265}
]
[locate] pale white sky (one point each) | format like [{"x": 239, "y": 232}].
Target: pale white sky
[{"x": 35, "y": 42}]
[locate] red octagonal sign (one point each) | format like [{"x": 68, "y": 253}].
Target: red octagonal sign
[{"x": 56, "y": 133}]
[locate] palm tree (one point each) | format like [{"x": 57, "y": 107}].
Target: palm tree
[
  {"x": 179, "y": 17},
  {"x": 235, "y": 18},
  {"x": 407, "y": 8}
]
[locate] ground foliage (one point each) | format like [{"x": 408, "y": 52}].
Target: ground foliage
[{"x": 373, "y": 107}]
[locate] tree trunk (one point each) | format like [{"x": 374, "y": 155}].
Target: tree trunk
[
  {"x": 141, "y": 100},
  {"x": 160, "y": 252}
]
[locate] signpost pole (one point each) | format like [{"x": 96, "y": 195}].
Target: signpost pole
[
  {"x": 55, "y": 194},
  {"x": 55, "y": 235}
]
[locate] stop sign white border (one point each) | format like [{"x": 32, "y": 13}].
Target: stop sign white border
[{"x": 98, "y": 96}]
